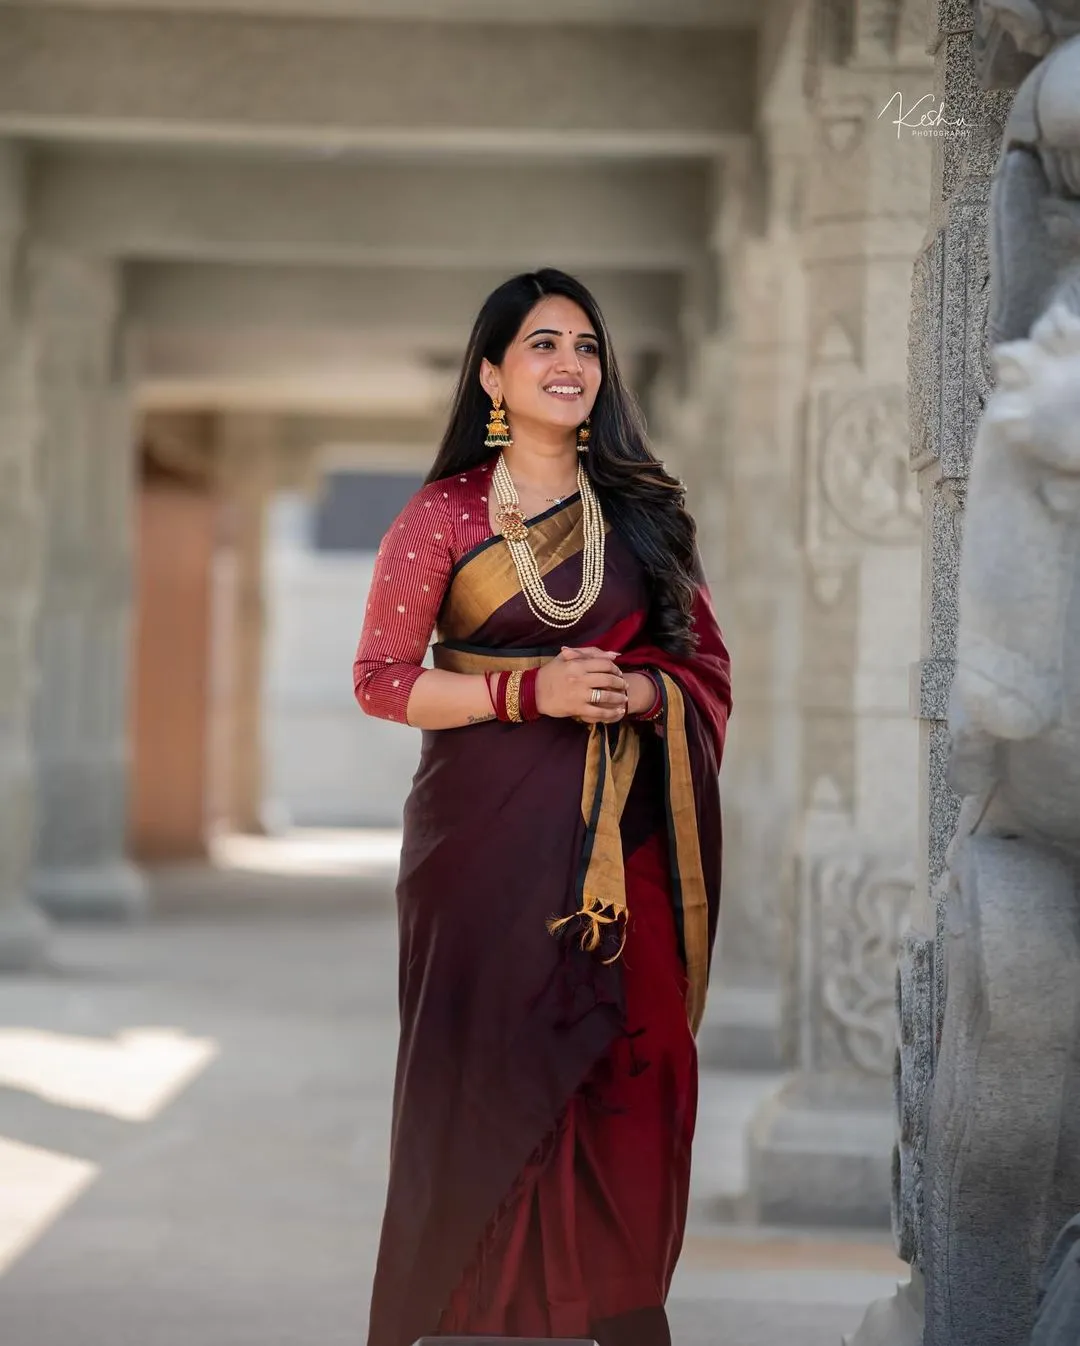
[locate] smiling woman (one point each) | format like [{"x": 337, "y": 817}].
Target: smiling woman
[{"x": 559, "y": 873}]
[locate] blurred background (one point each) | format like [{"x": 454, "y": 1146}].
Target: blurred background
[{"x": 241, "y": 246}]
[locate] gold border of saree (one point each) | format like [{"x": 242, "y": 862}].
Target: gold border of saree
[
  {"x": 688, "y": 876},
  {"x": 492, "y": 577}
]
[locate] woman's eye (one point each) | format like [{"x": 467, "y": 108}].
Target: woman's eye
[{"x": 586, "y": 346}]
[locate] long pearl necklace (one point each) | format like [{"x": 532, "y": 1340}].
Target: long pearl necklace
[{"x": 511, "y": 523}]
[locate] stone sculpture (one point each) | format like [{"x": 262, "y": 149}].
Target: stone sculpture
[
  {"x": 1058, "y": 1320},
  {"x": 988, "y": 1166},
  {"x": 1002, "y": 1167}
]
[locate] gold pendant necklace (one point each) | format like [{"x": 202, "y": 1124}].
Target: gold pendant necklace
[{"x": 510, "y": 521}]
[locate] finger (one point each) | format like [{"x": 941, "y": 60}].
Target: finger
[
  {"x": 613, "y": 698},
  {"x": 612, "y": 716},
  {"x": 608, "y": 686},
  {"x": 600, "y": 715},
  {"x": 611, "y": 682},
  {"x": 593, "y": 651},
  {"x": 590, "y": 666}
]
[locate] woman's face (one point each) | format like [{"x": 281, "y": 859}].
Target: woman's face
[{"x": 550, "y": 374}]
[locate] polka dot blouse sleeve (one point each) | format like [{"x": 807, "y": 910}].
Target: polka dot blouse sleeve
[{"x": 412, "y": 570}]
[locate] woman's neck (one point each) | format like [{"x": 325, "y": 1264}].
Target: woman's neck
[{"x": 541, "y": 461}]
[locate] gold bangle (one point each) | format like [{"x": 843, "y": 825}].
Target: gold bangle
[{"x": 513, "y": 696}]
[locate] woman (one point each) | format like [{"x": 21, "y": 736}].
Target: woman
[{"x": 560, "y": 867}]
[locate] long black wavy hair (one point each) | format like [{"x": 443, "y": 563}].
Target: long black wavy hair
[{"x": 643, "y": 502}]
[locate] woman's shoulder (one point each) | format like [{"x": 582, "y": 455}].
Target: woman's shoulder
[
  {"x": 443, "y": 493},
  {"x": 441, "y": 510},
  {"x": 457, "y": 497},
  {"x": 430, "y": 496},
  {"x": 464, "y": 482}
]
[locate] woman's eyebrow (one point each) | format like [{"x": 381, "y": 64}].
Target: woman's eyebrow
[{"x": 554, "y": 331}]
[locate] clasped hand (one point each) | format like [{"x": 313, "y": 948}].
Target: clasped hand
[{"x": 565, "y": 686}]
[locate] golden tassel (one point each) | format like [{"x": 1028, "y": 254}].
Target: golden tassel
[{"x": 594, "y": 911}]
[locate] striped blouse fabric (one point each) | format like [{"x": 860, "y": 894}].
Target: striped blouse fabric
[{"x": 440, "y": 524}]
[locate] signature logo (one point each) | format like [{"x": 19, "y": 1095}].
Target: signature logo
[{"x": 931, "y": 120}]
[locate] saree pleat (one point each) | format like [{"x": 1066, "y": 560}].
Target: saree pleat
[
  {"x": 537, "y": 1170},
  {"x": 594, "y": 1226}
]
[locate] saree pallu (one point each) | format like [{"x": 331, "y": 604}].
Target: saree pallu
[{"x": 512, "y": 1034}]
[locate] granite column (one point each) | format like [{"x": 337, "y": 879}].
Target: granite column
[
  {"x": 751, "y": 444},
  {"x": 81, "y": 721},
  {"x": 820, "y": 1150},
  {"x": 949, "y": 380},
  {"x": 23, "y": 929},
  {"x": 246, "y": 453}
]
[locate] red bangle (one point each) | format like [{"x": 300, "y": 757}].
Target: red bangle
[
  {"x": 501, "y": 711},
  {"x": 528, "y": 695},
  {"x": 497, "y": 693}
]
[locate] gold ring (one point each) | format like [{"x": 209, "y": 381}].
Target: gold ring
[{"x": 596, "y": 695}]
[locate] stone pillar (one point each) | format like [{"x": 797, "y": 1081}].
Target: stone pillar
[
  {"x": 81, "y": 718},
  {"x": 246, "y": 448},
  {"x": 23, "y": 929},
  {"x": 820, "y": 1150},
  {"x": 949, "y": 380},
  {"x": 749, "y": 443}
]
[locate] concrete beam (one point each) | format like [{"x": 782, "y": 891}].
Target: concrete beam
[
  {"x": 375, "y": 84},
  {"x": 611, "y": 215},
  {"x": 673, "y": 13},
  {"x": 285, "y": 370},
  {"x": 373, "y": 342},
  {"x": 386, "y": 308}
]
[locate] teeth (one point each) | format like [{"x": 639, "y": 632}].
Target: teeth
[{"x": 556, "y": 388}]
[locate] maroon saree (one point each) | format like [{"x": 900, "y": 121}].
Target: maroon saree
[{"x": 545, "y": 1092}]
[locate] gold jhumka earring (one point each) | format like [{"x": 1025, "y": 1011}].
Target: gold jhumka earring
[
  {"x": 498, "y": 433},
  {"x": 583, "y": 437}
]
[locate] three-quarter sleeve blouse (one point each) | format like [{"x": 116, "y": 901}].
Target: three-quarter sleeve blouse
[{"x": 441, "y": 523}]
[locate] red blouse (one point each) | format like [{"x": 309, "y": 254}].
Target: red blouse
[{"x": 439, "y": 525}]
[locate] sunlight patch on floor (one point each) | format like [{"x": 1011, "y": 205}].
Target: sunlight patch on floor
[
  {"x": 38, "y": 1186},
  {"x": 131, "y": 1077},
  {"x": 359, "y": 852}
]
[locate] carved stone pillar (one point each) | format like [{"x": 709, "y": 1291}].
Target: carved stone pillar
[
  {"x": 83, "y": 645},
  {"x": 684, "y": 398},
  {"x": 23, "y": 929},
  {"x": 949, "y": 379},
  {"x": 994, "y": 1168},
  {"x": 820, "y": 1151},
  {"x": 751, "y": 445}
]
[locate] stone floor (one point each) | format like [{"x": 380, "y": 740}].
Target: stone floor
[{"x": 193, "y": 1122}]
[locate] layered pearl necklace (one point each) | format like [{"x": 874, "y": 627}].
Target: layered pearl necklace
[{"x": 511, "y": 524}]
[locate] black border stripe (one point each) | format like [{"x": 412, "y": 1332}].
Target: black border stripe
[
  {"x": 673, "y": 846},
  {"x": 594, "y": 820},
  {"x": 500, "y": 651}
]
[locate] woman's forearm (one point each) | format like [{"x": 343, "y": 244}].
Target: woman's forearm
[
  {"x": 642, "y": 693},
  {"x": 443, "y": 700}
]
